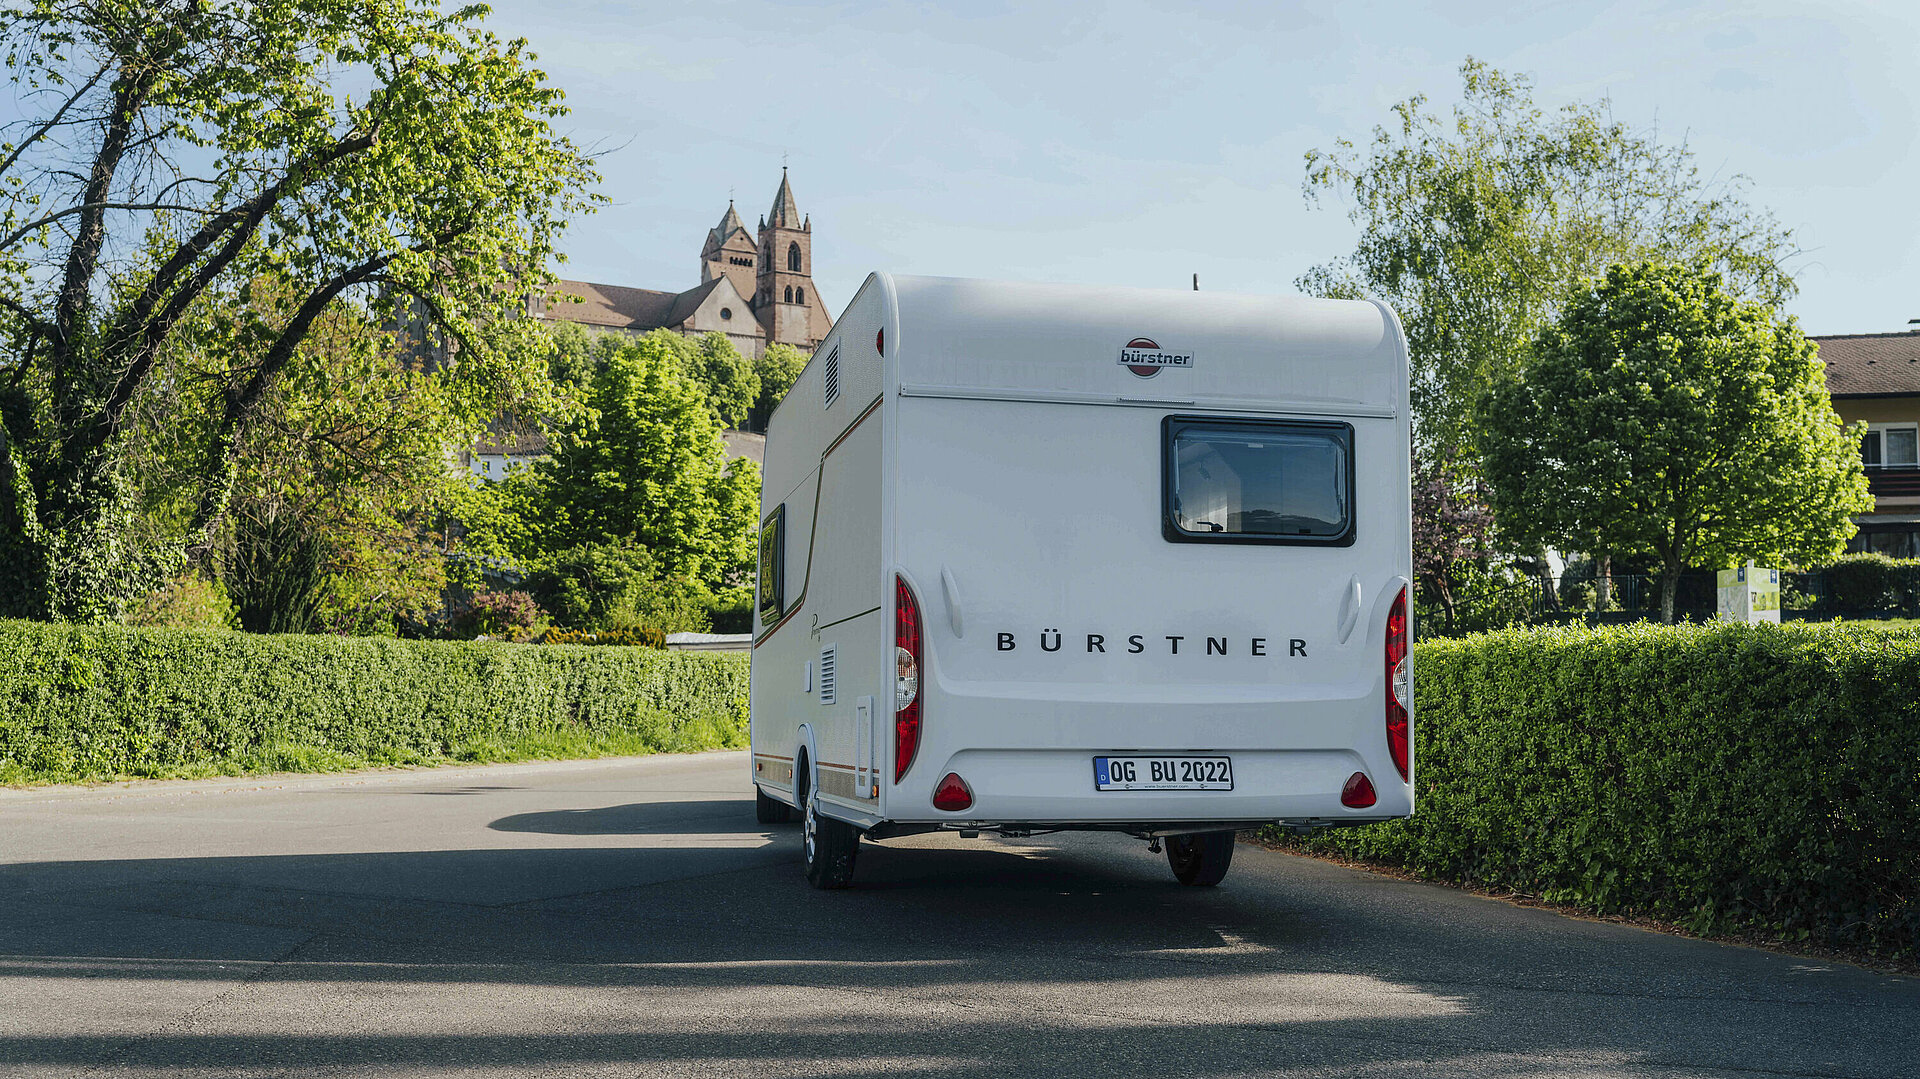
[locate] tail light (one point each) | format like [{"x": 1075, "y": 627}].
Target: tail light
[
  {"x": 1397, "y": 684},
  {"x": 953, "y": 794},
  {"x": 906, "y": 677},
  {"x": 1358, "y": 793}
]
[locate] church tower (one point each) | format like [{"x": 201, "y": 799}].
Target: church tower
[
  {"x": 783, "y": 296},
  {"x": 730, "y": 253}
]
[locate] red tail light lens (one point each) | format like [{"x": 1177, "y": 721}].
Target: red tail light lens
[
  {"x": 906, "y": 679},
  {"x": 953, "y": 794},
  {"x": 1398, "y": 727},
  {"x": 1358, "y": 793}
]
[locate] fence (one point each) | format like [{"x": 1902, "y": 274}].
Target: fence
[{"x": 1804, "y": 596}]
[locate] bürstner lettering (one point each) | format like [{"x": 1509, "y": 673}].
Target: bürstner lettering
[
  {"x": 1148, "y": 357},
  {"x": 1051, "y": 639}
]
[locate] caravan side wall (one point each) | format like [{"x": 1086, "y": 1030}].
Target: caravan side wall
[{"x": 818, "y": 669}]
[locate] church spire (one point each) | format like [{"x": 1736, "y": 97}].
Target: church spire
[{"x": 785, "y": 214}]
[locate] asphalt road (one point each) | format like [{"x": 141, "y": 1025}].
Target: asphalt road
[{"x": 630, "y": 919}]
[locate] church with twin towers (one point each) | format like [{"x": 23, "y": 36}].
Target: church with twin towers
[{"x": 755, "y": 287}]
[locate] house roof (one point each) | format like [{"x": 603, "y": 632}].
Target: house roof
[
  {"x": 1871, "y": 364},
  {"x": 512, "y": 438}
]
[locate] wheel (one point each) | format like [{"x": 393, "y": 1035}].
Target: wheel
[
  {"x": 831, "y": 846},
  {"x": 1200, "y": 859},
  {"x": 768, "y": 810}
]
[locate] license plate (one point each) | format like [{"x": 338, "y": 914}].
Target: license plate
[{"x": 1162, "y": 773}]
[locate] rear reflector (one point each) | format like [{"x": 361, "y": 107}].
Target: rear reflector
[
  {"x": 1358, "y": 793},
  {"x": 953, "y": 794}
]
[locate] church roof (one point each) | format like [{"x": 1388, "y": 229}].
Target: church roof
[
  {"x": 785, "y": 214},
  {"x": 718, "y": 235},
  {"x": 616, "y": 307},
  {"x": 612, "y": 306}
]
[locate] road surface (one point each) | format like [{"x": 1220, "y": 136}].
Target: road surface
[{"x": 629, "y": 918}]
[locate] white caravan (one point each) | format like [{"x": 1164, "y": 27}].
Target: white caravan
[{"x": 1038, "y": 557}]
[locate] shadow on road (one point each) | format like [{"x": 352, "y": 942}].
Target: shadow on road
[
  {"x": 720, "y": 816},
  {"x": 700, "y": 950}
]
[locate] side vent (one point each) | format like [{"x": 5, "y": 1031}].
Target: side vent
[
  {"x": 826, "y": 673},
  {"x": 831, "y": 377}
]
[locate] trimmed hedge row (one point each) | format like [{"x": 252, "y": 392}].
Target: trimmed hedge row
[
  {"x": 1732, "y": 779},
  {"x": 84, "y": 702}
]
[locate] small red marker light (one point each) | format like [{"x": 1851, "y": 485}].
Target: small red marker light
[
  {"x": 1358, "y": 793},
  {"x": 953, "y": 794},
  {"x": 880, "y": 340}
]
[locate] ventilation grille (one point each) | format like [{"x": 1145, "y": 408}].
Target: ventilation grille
[
  {"x": 832, "y": 377},
  {"x": 826, "y": 674}
]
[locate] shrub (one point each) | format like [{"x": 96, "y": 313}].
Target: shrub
[
  {"x": 1871, "y": 582},
  {"x": 84, "y": 702},
  {"x": 188, "y": 601},
  {"x": 1728, "y": 777},
  {"x": 496, "y": 614},
  {"x": 617, "y": 586},
  {"x": 646, "y": 638}
]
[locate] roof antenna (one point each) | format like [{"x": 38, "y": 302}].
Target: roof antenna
[{"x": 1196, "y": 288}]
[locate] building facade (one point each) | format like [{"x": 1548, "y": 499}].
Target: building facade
[
  {"x": 1875, "y": 378},
  {"x": 757, "y": 288}
]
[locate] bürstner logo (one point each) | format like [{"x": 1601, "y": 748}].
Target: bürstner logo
[{"x": 1144, "y": 357}]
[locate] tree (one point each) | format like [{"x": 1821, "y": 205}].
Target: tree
[
  {"x": 1452, "y": 525},
  {"x": 1477, "y": 229},
  {"x": 646, "y": 465},
  {"x": 777, "y": 367},
  {"x": 1662, "y": 415},
  {"x": 174, "y": 149}
]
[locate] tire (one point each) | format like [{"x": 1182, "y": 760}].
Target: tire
[
  {"x": 830, "y": 846},
  {"x": 769, "y": 810},
  {"x": 1200, "y": 859}
]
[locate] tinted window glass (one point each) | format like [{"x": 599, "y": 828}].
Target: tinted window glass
[
  {"x": 772, "y": 575},
  {"x": 1256, "y": 482}
]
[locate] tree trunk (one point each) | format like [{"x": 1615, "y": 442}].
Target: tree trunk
[
  {"x": 1669, "y": 589},
  {"x": 1602, "y": 583},
  {"x": 1443, "y": 589}
]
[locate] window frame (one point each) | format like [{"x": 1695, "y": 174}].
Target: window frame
[
  {"x": 773, "y": 533},
  {"x": 1170, "y": 529},
  {"x": 1880, "y": 429}
]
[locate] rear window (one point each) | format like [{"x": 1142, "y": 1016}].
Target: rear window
[{"x": 1258, "y": 481}]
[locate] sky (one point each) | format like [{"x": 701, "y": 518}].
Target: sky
[{"x": 1135, "y": 143}]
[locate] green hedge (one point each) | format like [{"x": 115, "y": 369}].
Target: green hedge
[
  {"x": 91, "y": 702},
  {"x": 1732, "y": 779},
  {"x": 1865, "y": 582}
]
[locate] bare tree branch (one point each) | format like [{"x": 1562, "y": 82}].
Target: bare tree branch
[{"x": 55, "y": 120}]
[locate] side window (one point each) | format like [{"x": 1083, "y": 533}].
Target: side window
[
  {"x": 1252, "y": 481},
  {"x": 773, "y": 584}
]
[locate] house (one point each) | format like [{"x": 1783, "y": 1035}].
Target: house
[{"x": 1875, "y": 377}]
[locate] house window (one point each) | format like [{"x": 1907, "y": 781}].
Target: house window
[
  {"x": 726, "y": 312},
  {"x": 799, "y": 295},
  {"x": 793, "y": 257},
  {"x": 789, "y": 293},
  {"x": 1891, "y": 445}
]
